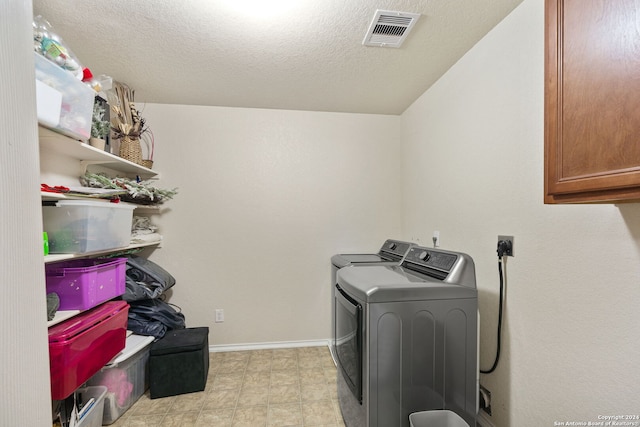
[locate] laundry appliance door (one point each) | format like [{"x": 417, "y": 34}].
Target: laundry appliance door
[{"x": 348, "y": 341}]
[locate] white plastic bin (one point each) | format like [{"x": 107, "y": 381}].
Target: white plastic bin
[
  {"x": 441, "y": 418},
  {"x": 93, "y": 418},
  {"x": 125, "y": 378},
  {"x": 79, "y": 226}
]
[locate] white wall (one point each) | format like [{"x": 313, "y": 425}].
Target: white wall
[
  {"x": 473, "y": 153},
  {"x": 25, "y": 398},
  {"x": 265, "y": 198}
]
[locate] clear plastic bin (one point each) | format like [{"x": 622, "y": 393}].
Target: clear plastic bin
[
  {"x": 441, "y": 418},
  {"x": 76, "y": 105},
  {"x": 79, "y": 226},
  {"x": 93, "y": 418},
  {"x": 125, "y": 377}
]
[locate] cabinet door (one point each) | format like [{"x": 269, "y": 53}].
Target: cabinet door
[{"x": 592, "y": 101}]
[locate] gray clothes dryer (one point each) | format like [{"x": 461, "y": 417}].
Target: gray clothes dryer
[
  {"x": 406, "y": 339},
  {"x": 392, "y": 252}
]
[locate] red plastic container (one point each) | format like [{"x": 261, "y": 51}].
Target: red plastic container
[
  {"x": 82, "y": 345},
  {"x": 84, "y": 283}
]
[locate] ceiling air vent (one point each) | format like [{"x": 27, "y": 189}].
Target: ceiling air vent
[{"x": 389, "y": 28}]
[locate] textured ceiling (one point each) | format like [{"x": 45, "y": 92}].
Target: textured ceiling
[{"x": 299, "y": 55}]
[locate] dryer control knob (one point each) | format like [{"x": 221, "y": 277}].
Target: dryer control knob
[
  {"x": 424, "y": 256},
  {"x": 392, "y": 246}
]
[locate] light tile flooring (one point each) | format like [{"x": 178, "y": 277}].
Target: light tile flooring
[{"x": 293, "y": 387}]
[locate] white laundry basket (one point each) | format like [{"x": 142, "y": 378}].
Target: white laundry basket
[{"x": 441, "y": 418}]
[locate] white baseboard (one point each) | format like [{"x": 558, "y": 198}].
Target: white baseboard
[
  {"x": 268, "y": 345},
  {"x": 484, "y": 420}
]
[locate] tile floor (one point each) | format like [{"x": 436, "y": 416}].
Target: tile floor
[{"x": 293, "y": 387}]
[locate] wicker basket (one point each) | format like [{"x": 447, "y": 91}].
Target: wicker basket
[
  {"x": 131, "y": 150},
  {"x": 147, "y": 164}
]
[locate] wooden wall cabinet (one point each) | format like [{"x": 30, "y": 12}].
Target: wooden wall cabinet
[{"x": 592, "y": 101}]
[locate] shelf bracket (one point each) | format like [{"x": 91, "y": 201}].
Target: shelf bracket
[
  {"x": 142, "y": 172},
  {"x": 84, "y": 164}
]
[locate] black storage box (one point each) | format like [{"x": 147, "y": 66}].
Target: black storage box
[{"x": 179, "y": 362}]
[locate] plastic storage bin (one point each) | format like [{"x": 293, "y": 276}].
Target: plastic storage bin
[
  {"x": 125, "y": 377},
  {"x": 92, "y": 418},
  {"x": 82, "y": 345},
  {"x": 76, "y": 106},
  {"x": 84, "y": 283},
  {"x": 442, "y": 418},
  {"x": 79, "y": 226}
]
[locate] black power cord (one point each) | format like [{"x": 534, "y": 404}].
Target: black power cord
[{"x": 503, "y": 247}]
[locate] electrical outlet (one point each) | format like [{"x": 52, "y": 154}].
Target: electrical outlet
[
  {"x": 509, "y": 249},
  {"x": 219, "y": 315},
  {"x": 436, "y": 239},
  {"x": 485, "y": 399}
]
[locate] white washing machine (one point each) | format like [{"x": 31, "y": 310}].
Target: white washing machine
[
  {"x": 392, "y": 252},
  {"x": 406, "y": 339}
]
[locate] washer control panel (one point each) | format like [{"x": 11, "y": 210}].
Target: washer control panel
[
  {"x": 394, "y": 250},
  {"x": 418, "y": 258}
]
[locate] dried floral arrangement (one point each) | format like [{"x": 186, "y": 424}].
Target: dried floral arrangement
[
  {"x": 125, "y": 119},
  {"x": 141, "y": 192}
]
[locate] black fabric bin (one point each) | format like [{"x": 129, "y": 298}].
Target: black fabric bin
[{"x": 179, "y": 362}]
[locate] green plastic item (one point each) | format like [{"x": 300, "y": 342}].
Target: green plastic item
[{"x": 45, "y": 242}]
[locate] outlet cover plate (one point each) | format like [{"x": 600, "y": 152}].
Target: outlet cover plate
[{"x": 512, "y": 253}]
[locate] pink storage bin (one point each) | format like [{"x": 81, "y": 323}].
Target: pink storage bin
[
  {"x": 82, "y": 345},
  {"x": 84, "y": 283}
]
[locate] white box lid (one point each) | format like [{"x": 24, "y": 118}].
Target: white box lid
[
  {"x": 135, "y": 343},
  {"x": 95, "y": 203}
]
